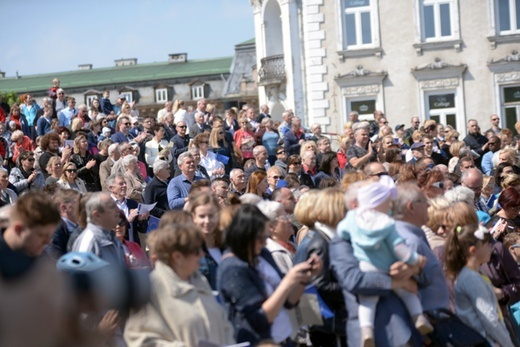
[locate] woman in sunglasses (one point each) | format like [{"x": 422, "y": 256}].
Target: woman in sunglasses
[
  {"x": 24, "y": 177},
  {"x": 135, "y": 257},
  {"x": 69, "y": 178}
]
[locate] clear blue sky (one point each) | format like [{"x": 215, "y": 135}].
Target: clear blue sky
[{"x": 57, "y": 35}]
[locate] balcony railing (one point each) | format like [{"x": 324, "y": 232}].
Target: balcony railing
[{"x": 272, "y": 70}]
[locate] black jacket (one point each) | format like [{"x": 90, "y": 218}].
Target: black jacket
[{"x": 155, "y": 191}]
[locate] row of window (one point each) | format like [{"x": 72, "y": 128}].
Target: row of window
[
  {"x": 438, "y": 20},
  {"x": 162, "y": 95}
]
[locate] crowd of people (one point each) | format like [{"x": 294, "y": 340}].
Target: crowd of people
[{"x": 250, "y": 215}]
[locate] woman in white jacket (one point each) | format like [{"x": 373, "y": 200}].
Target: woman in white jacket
[{"x": 69, "y": 178}]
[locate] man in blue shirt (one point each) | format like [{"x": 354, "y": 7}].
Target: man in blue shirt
[
  {"x": 67, "y": 114},
  {"x": 179, "y": 187}
]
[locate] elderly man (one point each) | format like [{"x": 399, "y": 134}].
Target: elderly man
[
  {"x": 179, "y": 187},
  {"x": 260, "y": 155},
  {"x": 237, "y": 179},
  {"x": 411, "y": 212},
  {"x": 416, "y": 152},
  {"x": 361, "y": 152},
  {"x": 155, "y": 191},
  {"x": 285, "y": 126},
  {"x": 99, "y": 237},
  {"x": 415, "y": 123},
  {"x": 294, "y": 138},
  {"x": 374, "y": 171},
  {"x": 59, "y": 103},
  {"x": 138, "y": 222},
  {"x": 105, "y": 168},
  {"x": 274, "y": 174},
  {"x": 473, "y": 179},
  {"x": 123, "y": 134},
  {"x": 200, "y": 126},
  {"x": 168, "y": 105},
  {"x": 309, "y": 169},
  {"x": 353, "y": 117},
  {"x": 475, "y": 140},
  {"x": 264, "y": 113}
]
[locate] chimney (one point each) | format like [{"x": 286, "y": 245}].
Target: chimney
[
  {"x": 85, "y": 67},
  {"x": 178, "y": 58},
  {"x": 126, "y": 61}
]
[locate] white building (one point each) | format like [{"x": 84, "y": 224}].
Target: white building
[{"x": 449, "y": 60}]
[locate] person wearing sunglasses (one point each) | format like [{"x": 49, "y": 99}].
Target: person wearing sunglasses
[
  {"x": 182, "y": 309},
  {"x": 494, "y": 145},
  {"x": 135, "y": 257},
  {"x": 24, "y": 177},
  {"x": 69, "y": 178}
]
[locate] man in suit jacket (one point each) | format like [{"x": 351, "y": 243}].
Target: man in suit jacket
[
  {"x": 155, "y": 191},
  {"x": 116, "y": 184},
  {"x": 105, "y": 168},
  {"x": 199, "y": 126}
]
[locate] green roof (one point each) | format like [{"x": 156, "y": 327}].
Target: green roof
[
  {"x": 117, "y": 75},
  {"x": 247, "y": 42}
]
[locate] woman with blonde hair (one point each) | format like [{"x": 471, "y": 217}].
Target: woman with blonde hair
[
  {"x": 69, "y": 178},
  {"x": 455, "y": 149},
  {"x": 309, "y": 146},
  {"x": 204, "y": 209},
  {"x": 328, "y": 209},
  {"x": 507, "y": 155},
  {"x": 179, "y": 111},
  {"x": 182, "y": 309},
  {"x": 219, "y": 146}
]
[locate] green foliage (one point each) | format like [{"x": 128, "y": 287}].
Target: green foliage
[{"x": 10, "y": 98}]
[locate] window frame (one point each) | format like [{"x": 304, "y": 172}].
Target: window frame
[
  {"x": 158, "y": 92},
  {"x": 90, "y": 97},
  {"x": 373, "y": 48},
  {"x": 513, "y": 21},
  {"x": 437, "y": 20},
  {"x": 198, "y": 91},
  {"x": 129, "y": 96}
]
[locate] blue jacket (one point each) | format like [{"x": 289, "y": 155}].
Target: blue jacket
[
  {"x": 392, "y": 323},
  {"x": 291, "y": 143},
  {"x": 43, "y": 126}
]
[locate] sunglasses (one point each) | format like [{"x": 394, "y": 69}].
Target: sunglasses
[
  {"x": 181, "y": 126},
  {"x": 29, "y": 159},
  {"x": 379, "y": 174},
  {"x": 276, "y": 177},
  {"x": 127, "y": 123},
  {"x": 281, "y": 152},
  {"x": 122, "y": 222},
  {"x": 297, "y": 163},
  {"x": 71, "y": 170}
]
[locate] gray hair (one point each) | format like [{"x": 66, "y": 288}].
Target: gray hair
[
  {"x": 183, "y": 157},
  {"x": 129, "y": 159},
  {"x": 257, "y": 149},
  {"x": 95, "y": 203},
  {"x": 234, "y": 173},
  {"x": 158, "y": 165},
  {"x": 112, "y": 148},
  {"x": 111, "y": 179},
  {"x": 306, "y": 154},
  {"x": 460, "y": 193},
  {"x": 250, "y": 198},
  {"x": 271, "y": 209},
  {"x": 406, "y": 192},
  {"x": 2, "y": 169}
]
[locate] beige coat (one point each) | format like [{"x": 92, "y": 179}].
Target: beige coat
[{"x": 180, "y": 313}]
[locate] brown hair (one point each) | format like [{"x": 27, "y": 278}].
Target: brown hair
[
  {"x": 255, "y": 178},
  {"x": 35, "y": 209},
  {"x": 183, "y": 238}
]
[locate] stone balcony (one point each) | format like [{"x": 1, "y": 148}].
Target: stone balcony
[{"x": 272, "y": 70}]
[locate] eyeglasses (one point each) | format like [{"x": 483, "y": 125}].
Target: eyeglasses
[
  {"x": 220, "y": 132},
  {"x": 297, "y": 163},
  {"x": 383, "y": 122},
  {"x": 276, "y": 177},
  {"x": 71, "y": 170},
  {"x": 122, "y": 222},
  {"x": 181, "y": 126},
  {"x": 29, "y": 159},
  {"x": 127, "y": 124},
  {"x": 494, "y": 119},
  {"x": 281, "y": 152}
]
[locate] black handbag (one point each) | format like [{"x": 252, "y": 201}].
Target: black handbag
[{"x": 450, "y": 330}]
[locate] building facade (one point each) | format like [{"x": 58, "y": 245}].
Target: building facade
[
  {"x": 448, "y": 60},
  {"x": 225, "y": 82}
]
